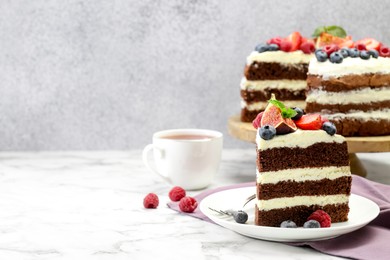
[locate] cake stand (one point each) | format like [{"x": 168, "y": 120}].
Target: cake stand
[{"x": 246, "y": 132}]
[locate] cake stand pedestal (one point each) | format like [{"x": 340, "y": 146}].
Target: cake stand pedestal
[{"x": 246, "y": 132}]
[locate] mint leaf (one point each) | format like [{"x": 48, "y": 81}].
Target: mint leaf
[
  {"x": 332, "y": 29},
  {"x": 286, "y": 112}
]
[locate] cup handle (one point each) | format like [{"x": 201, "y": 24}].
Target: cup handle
[{"x": 145, "y": 152}]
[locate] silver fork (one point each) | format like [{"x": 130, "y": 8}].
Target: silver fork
[{"x": 250, "y": 198}]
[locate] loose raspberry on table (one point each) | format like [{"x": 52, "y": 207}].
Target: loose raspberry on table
[
  {"x": 177, "y": 193},
  {"x": 188, "y": 204},
  {"x": 322, "y": 217},
  {"x": 151, "y": 201}
]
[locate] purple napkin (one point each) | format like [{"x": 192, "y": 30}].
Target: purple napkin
[{"x": 369, "y": 242}]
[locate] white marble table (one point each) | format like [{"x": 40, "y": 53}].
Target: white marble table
[{"x": 88, "y": 205}]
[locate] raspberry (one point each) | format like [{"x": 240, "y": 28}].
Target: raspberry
[
  {"x": 322, "y": 217},
  {"x": 151, "y": 201},
  {"x": 257, "y": 120},
  {"x": 285, "y": 46},
  {"x": 176, "y": 193},
  {"x": 330, "y": 48},
  {"x": 188, "y": 204},
  {"x": 384, "y": 51},
  {"x": 360, "y": 46},
  {"x": 307, "y": 47},
  {"x": 276, "y": 40}
]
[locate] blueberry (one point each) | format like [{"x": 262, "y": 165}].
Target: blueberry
[
  {"x": 373, "y": 53},
  {"x": 329, "y": 128},
  {"x": 267, "y": 132},
  {"x": 344, "y": 52},
  {"x": 262, "y": 48},
  {"x": 312, "y": 224},
  {"x": 336, "y": 57},
  {"x": 288, "y": 224},
  {"x": 299, "y": 113},
  {"x": 321, "y": 56},
  {"x": 240, "y": 216},
  {"x": 353, "y": 53},
  {"x": 273, "y": 47},
  {"x": 365, "y": 55}
]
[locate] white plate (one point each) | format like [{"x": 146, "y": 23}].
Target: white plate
[{"x": 362, "y": 211}]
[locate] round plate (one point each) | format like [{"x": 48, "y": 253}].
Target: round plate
[{"x": 362, "y": 211}]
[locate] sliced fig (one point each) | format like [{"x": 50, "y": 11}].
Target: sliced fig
[{"x": 272, "y": 116}]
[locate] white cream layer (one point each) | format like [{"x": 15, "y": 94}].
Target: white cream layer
[
  {"x": 285, "y": 202},
  {"x": 259, "y": 85},
  {"x": 349, "y": 66},
  {"x": 293, "y": 57},
  {"x": 303, "y": 174},
  {"x": 365, "y": 95},
  {"x": 299, "y": 138},
  {"x": 383, "y": 114},
  {"x": 262, "y": 105}
]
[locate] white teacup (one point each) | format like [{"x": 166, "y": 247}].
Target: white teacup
[{"x": 188, "y": 158}]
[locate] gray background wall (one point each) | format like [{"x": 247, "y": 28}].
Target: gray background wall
[{"x": 107, "y": 74}]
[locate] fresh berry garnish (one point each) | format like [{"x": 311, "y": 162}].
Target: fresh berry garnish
[
  {"x": 311, "y": 224},
  {"x": 321, "y": 217},
  {"x": 344, "y": 52},
  {"x": 324, "y": 119},
  {"x": 365, "y": 55},
  {"x": 360, "y": 46},
  {"x": 288, "y": 224},
  {"x": 275, "y": 40},
  {"x": 299, "y": 113},
  {"x": 346, "y": 43},
  {"x": 384, "y": 51},
  {"x": 353, "y": 53},
  {"x": 307, "y": 47},
  {"x": 330, "y": 48},
  {"x": 273, "y": 47},
  {"x": 257, "y": 120},
  {"x": 309, "y": 122},
  {"x": 336, "y": 57},
  {"x": 267, "y": 132},
  {"x": 373, "y": 53},
  {"x": 295, "y": 38},
  {"x": 151, "y": 201},
  {"x": 329, "y": 128},
  {"x": 240, "y": 216},
  {"x": 285, "y": 46},
  {"x": 321, "y": 56},
  {"x": 177, "y": 193},
  {"x": 369, "y": 44},
  {"x": 188, "y": 204},
  {"x": 262, "y": 48}
]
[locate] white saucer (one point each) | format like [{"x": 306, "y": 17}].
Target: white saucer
[{"x": 362, "y": 211}]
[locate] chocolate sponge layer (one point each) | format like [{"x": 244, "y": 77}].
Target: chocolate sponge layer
[{"x": 274, "y": 70}]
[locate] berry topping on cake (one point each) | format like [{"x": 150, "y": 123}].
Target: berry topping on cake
[
  {"x": 275, "y": 40},
  {"x": 299, "y": 113},
  {"x": 273, "y": 47},
  {"x": 288, "y": 224},
  {"x": 373, "y": 53},
  {"x": 309, "y": 122},
  {"x": 329, "y": 128},
  {"x": 321, "y": 55},
  {"x": 353, "y": 53},
  {"x": 312, "y": 224},
  {"x": 360, "y": 46},
  {"x": 368, "y": 44},
  {"x": 177, "y": 193},
  {"x": 267, "y": 132},
  {"x": 262, "y": 48},
  {"x": 151, "y": 201},
  {"x": 364, "y": 55},
  {"x": 278, "y": 116},
  {"x": 295, "y": 38},
  {"x": 384, "y": 51},
  {"x": 329, "y": 49},
  {"x": 336, "y": 57},
  {"x": 307, "y": 47},
  {"x": 321, "y": 217},
  {"x": 240, "y": 216},
  {"x": 291, "y": 43},
  {"x": 188, "y": 204},
  {"x": 344, "y": 52},
  {"x": 285, "y": 46},
  {"x": 257, "y": 120}
]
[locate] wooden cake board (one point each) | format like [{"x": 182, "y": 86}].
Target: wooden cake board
[{"x": 246, "y": 132}]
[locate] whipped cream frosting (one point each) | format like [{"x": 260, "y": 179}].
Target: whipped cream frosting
[
  {"x": 299, "y": 138},
  {"x": 293, "y": 57},
  {"x": 364, "y": 95},
  {"x": 302, "y": 201},
  {"x": 349, "y": 66},
  {"x": 383, "y": 114},
  {"x": 259, "y": 85},
  {"x": 261, "y": 105},
  {"x": 303, "y": 174}
]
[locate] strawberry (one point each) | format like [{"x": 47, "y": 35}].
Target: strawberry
[
  {"x": 257, "y": 120},
  {"x": 285, "y": 46},
  {"x": 309, "y": 122},
  {"x": 307, "y": 47},
  {"x": 360, "y": 46},
  {"x": 329, "y": 49},
  {"x": 346, "y": 44},
  {"x": 384, "y": 51},
  {"x": 295, "y": 38},
  {"x": 275, "y": 40},
  {"x": 369, "y": 43}
]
